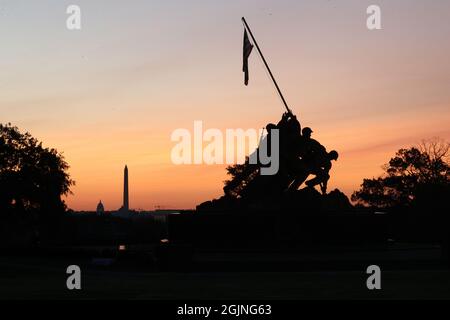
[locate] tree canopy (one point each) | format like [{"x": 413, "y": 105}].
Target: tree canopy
[
  {"x": 411, "y": 173},
  {"x": 32, "y": 178}
]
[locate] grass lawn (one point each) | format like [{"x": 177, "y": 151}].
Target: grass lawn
[{"x": 36, "y": 278}]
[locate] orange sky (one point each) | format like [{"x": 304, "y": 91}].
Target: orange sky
[{"x": 112, "y": 93}]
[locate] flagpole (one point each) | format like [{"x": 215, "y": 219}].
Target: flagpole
[{"x": 267, "y": 66}]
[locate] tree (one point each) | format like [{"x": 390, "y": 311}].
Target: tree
[
  {"x": 32, "y": 178},
  {"x": 240, "y": 176},
  {"x": 411, "y": 174}
]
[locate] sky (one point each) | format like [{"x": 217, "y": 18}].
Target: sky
[{"x": 113, "y": 92}]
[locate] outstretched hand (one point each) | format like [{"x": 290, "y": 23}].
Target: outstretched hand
[{"x": 288, "y": 114}]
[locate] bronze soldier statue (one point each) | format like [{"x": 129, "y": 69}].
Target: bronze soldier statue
[
  {"x": 320, "y": 167},
  {"x": 299, "y": 156}
]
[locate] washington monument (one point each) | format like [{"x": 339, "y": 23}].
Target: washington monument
[{"x": 126, "y": 205}]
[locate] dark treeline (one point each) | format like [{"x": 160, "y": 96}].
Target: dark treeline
[
  {"x": 413, "y": 191},
  {"x": 33, "y": 180},
  {"x": 91, "y": 229}
]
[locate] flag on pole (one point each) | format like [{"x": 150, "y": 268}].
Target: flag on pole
[{"x": 248, "y": 47}]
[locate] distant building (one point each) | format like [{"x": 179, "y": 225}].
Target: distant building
[
  {"x": 124, "y": 211},
  {"x": 100, "y": 209},
  {"x": 126, "y": 205}
]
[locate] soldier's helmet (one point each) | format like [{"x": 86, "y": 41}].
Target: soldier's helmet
[
  {"x": 333, "y": 155},
  {"x": 306, "y": 131}
]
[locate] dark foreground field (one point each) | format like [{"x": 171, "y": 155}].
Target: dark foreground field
[{"x": 45, "y": 278}]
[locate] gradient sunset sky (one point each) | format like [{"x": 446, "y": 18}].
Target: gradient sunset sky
[{"x": 112, "y": 93}]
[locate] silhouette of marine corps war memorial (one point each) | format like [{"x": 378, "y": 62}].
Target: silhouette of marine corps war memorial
[
  {"x": 289, "y": 209},
  {"x": 273, "y": 211},
  {"x": 293, "y": 210},
  {"x": 287, "y": 220}
]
